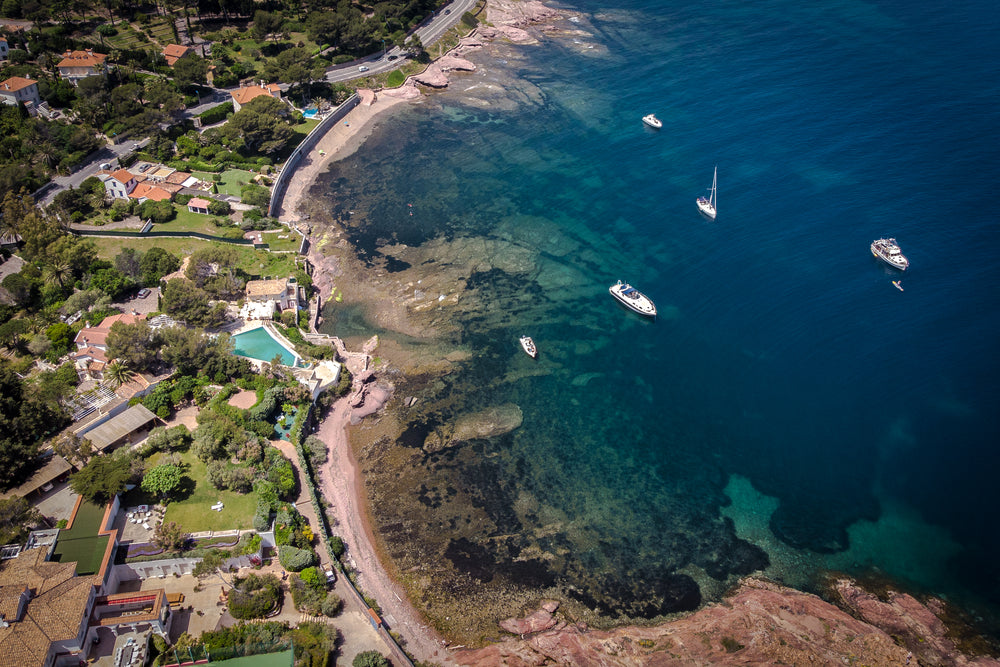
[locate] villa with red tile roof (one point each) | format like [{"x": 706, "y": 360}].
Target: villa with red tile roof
[
  {"x": 20, "y": 90},
  {"x": 98, "y": 336},
  {"x": 243, "y": 95},
  {"x": 174, "y": 52},
  {"x": 77, "y": 65}
]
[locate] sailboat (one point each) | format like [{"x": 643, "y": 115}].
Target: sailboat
[{"x": 707, "y": 206}]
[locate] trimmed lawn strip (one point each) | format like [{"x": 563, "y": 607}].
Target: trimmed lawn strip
[{"x": 81, "y": 543}]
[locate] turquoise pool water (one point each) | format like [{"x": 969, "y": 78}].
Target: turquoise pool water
[
  {"x": 310, "y": 113},
  {"x": 259, "y": 344}
]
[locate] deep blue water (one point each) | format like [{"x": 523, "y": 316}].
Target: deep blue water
[{"x": 783, "y": 354}]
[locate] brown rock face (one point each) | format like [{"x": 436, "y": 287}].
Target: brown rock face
[{"x": 760, "y": 624}]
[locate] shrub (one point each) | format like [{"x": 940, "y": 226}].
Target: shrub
[
  {"x": 316, "y": 451},
  {"x": 370, "y": 659},
  {"x": 294, "y": 559},
  {"x": 332, "y": 605},
  {"x": 306, "y": 597},
  {"x": 216, "y": 114},
  {"x": 262, "y": 517},
  {"x": 254, "y": 596}
]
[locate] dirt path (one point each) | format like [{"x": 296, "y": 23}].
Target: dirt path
[{"x": 342, "y": 486}]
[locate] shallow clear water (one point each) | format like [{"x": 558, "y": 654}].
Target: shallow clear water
[{"x": 787, "y": 387}]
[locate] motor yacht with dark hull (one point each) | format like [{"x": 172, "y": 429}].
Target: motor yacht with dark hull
[{"x": 633, "y": 299}]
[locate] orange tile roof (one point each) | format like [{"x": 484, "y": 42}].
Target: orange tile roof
[
  {"x": 15, "y": 83},
  {"x": 198, "y": 202},
  {"x": 54, "y": 613},
  {"x": 81, "y": 59},
  {"x": 122, "y": 175},
  {"x": 244, "y": 95},
  {"x": 174, "y": 52},
  {"x": 99, "y": 335},
  {"x": 149, "y": 192}
]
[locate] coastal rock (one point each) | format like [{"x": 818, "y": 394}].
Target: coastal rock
[
  {"x": 370, "y": 400},
  {"x": 518, "y": 13},
  {"x": 488, "y": 423},
  {"x": 449, "y": 63},
  {"x": 408, "y": 91},
  {"x": 433, "y": 77},
  {"x": 761, "y": 623},
  {"x": 513, "y": 33},
  {"x": 536, "y": 622}
]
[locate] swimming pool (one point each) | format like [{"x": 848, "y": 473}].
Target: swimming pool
[
  {"x": 259, "y": 344},
  {"x": 310, "y": 113}
]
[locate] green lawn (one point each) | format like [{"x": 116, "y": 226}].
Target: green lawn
[
  {"x": 191, "y": 506},
  {"x": 256, "y": 262},
  {"x": 186, "y": 221},
  {"x": 81, "y": 543},
  {"x": 232, "y": 180}
]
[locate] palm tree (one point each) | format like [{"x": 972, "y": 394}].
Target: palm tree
[
  {"x": 59, "y": 271},
  {"x": 118, "y": 373}
]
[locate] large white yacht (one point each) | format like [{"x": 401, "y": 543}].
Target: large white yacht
[
  {"x": 888, "y": 251},
  {"x": 633, "y": 299}
]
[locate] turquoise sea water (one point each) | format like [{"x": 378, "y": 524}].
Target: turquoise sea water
[
  {"x": 789, "y": 409},
  {"x": 260, "y": 345}
]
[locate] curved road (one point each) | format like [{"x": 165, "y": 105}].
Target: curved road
[{"x": 429, "y": 32}]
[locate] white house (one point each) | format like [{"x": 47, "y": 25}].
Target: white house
[
  {"x": 119, "y": 184},
  {"x": 284, "y": 292},
  {"x": 20, "y": 90},
  {"x": 77, "y": 65}
]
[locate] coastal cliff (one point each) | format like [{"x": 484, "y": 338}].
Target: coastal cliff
[{"x": 760, "y": 623}]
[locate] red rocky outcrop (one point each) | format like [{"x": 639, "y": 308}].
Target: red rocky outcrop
[{"x": 761, "y": 623}]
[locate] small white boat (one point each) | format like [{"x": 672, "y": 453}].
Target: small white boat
[
  {"x": 529, "y": 346},
  {"x": 888, "y": 251},
  {"x": 633, "y": 299},
  {"x": 707, "y": 206},
  {"x": 652, "y": 121}
]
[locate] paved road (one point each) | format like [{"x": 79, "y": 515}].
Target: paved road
[{"x": 429, "y": 32}]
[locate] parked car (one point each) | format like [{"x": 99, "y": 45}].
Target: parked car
[
  {"x": 393, "y": 57},
  {"x": 143, "y": 293},
  {"x": 363, "y": 68}
]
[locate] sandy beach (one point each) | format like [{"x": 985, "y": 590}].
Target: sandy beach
[
  {"x": 339, "y": 142},
  {"x": 342, "y": 486}
]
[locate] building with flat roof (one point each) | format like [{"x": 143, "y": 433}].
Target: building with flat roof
[{"x": 129, "y": 427}]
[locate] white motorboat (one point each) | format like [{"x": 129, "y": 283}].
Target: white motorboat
[
  {"x": 529, "y": 346},
  {"x": 707, "y": 206},
  {"x": 633, "y": 299},
  {"x": 888, "y": 251},
  {"x": 652, "y": 121}
]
